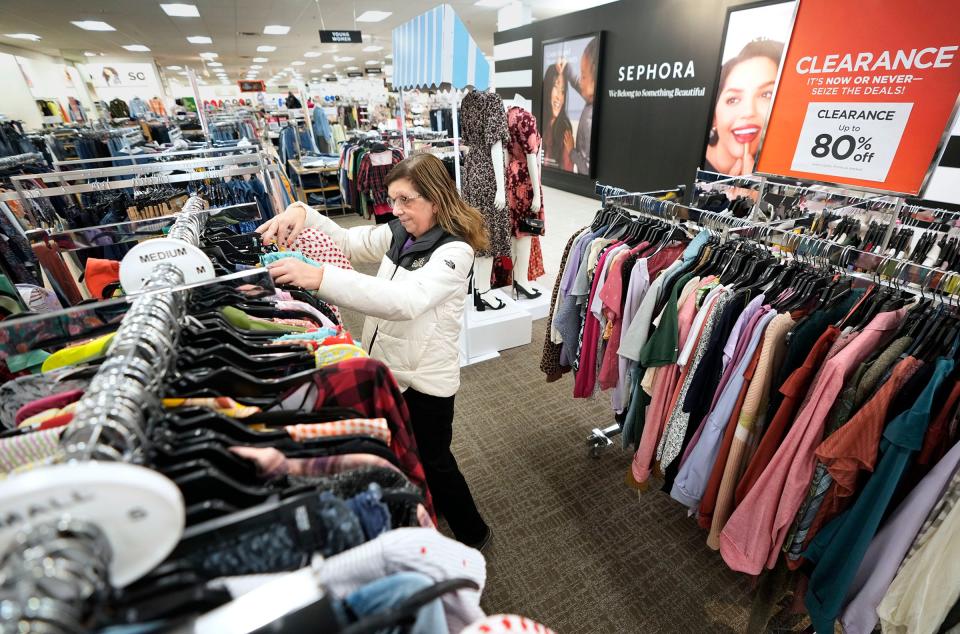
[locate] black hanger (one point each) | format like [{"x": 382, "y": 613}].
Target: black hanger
[{"x": 236, "y": 383}]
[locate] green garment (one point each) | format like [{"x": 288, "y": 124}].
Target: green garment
[
  {"x": 239, "y": 319},
  {"x": 662, "y": 347},
  {"x": 838, "y": 549}
]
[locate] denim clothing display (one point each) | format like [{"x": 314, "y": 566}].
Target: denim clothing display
[
  {"x": 390, "y": 592},
  {"x": 372, "y": 513},
  {"x": 322, "y": 132}
]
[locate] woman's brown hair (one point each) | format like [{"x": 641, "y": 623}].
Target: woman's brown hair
[{"x": 429, "y": 175}]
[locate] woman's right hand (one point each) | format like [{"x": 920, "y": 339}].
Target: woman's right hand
[{"x": 285, "y": 227}]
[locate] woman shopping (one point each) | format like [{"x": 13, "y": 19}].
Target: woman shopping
[{"x": 414, "y": 307}]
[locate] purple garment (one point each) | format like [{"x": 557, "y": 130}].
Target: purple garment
[
  {"x": 636, "y": 289},
  {"x": 406, "y": 245},
  {"x": 566, "y": 318},
  {"x": 694, "y": 473},
  {"x": 740, "y": 335},
  {"x": 890, "y": 546}
]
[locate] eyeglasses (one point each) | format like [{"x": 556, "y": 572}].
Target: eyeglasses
[{"x": 402, "y": 201}]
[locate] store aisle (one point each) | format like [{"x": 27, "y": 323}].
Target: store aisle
[{"x": 573, "y": 547}]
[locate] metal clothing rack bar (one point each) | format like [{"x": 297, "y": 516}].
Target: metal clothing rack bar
[
  {"x": 136, "y": 169},
  {"x": 144, "y": 181},
  {"x": 160, "y": 156}
]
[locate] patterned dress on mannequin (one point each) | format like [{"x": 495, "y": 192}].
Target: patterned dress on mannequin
[
  {"x": 524, "y": 140},
  {"x": 483, "y": 124}
]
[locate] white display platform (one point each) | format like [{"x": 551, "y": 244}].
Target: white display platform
[
  {"x": 538, "y": 308},
  {"x": 486, "y": 333}
]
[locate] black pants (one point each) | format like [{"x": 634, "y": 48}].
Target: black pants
[{"x": 432, "y": 418}]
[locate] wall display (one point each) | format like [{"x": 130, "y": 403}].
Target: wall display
[
  {"x": 117, "y": 75},
  {"x": 658, "y": 63},
  {"x": 570, "y": 74},
  {"x": 753, "y": 46},
  {"x": 869, "y": 106}
]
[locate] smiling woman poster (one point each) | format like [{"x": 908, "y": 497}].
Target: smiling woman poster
[{"x": 752, "y": 50}]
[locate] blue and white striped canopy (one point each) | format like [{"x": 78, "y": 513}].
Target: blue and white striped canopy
[{"x": 435, "y": 48}]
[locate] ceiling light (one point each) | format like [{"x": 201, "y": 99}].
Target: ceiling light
[
  {"x": 372, "y": 62},
  {"x": 276, "y": 29},
  {"x": 137, "y": 48},
  {"x": 315, "y": 70},
  {"x": 329, "y": 66},
  {"x": 209, "y": 55},
  {"x": 260, "y": 60},
  {"x": 353, "y": 68},
  {"x": 24, "y": 36},
  {"x": 174, "y": 67},
  {"x": 93, "y": 25},
  {"x": 214, "y": 64},
  {"x": 180, "y": 10},
  {"x": 297, "y": 63},
  {"x": 388, "y": 56},
  {"x": 343, "y": 59},
  {"x": 491, "y": 4},
  {"x": 264, "y": 48},
  {"x": 373, "y": 16},
  {"x": 256, "y": 67},
  {"x": 91, "y": 54},
  {"x": 312, "y": 54},
  {"x": 288, "y": 69},
  {"x": 199, "y": 39},
  {"x": 372, "y": 49}
]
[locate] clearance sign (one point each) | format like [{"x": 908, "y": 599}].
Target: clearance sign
[{"x": 866, "y": 93}]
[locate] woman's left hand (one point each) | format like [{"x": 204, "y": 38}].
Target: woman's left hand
[{"x": 296, "y": 273}]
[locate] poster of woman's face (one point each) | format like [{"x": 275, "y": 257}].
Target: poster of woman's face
[
  {"x": 753, "y": 48},
  {"x": 570, "y": 72}
]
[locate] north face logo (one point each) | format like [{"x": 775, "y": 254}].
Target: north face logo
[{"x": 450, "y": 264}]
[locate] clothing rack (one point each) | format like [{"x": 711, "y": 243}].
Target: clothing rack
[
  {"x": 144, "y": 175},
  {"x": 132, "y": 231},
  {"x": 933, "y": 279},
  {"x": 138, "y": 169},
  {"x": 59, "y": 561},
  {"x": 160, "y": 156}
]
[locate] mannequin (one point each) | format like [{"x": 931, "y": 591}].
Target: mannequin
[
  {"x": 483, "y": 126},
  {"x": 524, "y": 193},
  {"x": 483, "y": 266}
]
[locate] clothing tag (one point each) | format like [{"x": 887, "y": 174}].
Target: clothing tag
[
  {"x": 140, "y": 512},
  {"x": 138, "y": 264},
  {"x": 380, "y": 159}
]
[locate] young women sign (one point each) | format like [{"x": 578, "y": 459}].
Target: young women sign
[{"x": 866, "y": 93}]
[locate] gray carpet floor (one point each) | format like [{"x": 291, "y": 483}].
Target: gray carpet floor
[{"x": 573, "y": 546}]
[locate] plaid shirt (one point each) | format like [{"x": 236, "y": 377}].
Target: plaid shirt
[
  {"x": 372, "y": 178},
  {"x": 373, "y": 427},
  {"x": 367, "y": 386}
]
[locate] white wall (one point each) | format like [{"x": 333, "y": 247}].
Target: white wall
[
  {"x": 16, "y": 100},
  {"x": 29, "y": 76}
]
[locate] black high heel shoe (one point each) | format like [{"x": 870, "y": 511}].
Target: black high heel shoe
[
  {"x": 481, "y": 304},
  {"x": 519, "y": 290}
]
